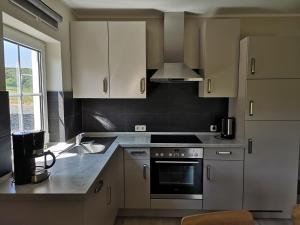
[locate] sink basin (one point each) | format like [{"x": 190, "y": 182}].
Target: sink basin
[{"x": 90, "y": 145}]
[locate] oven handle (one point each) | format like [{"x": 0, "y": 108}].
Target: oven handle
[{"x": 176, "y": 162}]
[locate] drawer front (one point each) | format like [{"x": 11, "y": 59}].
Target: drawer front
[
  {"x": 224, "y": 153},
  {"x": 137, "y": 153},
  {"x": 176, "y": 204}
]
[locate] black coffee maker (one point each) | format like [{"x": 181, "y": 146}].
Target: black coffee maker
[{"x": 30, "y": 163}]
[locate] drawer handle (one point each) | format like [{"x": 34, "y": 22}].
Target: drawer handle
[
  {"x": 138, "y": 153},
  {"x": 223, "y": 153},
  {"x": 98, "y": 187}
]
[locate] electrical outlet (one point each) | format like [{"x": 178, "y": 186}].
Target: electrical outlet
[
  {"x": 213, "y": 128},
  {"x": 140, "y": 128}
]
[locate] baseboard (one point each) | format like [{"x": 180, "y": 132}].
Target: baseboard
[{"x": 157, "y": 212}]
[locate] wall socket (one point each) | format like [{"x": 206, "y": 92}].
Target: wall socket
[
  {"x": 140, "y": 128},
  {"x": 213, "y": 128}
]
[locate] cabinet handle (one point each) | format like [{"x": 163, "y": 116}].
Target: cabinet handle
[
  {"x": 142, "y": 85},
  {"x": 208, "y": 168},
  {"x": 145, "y": 171},
  {"x": 250, "y": 144},
  {"x": 105, "y": 85},
  {"x": 252, "y": 65},
  {"x": 138, "y": 153},
  {"x": 98, "y": 187},
  {"x": 224, "y": 153},
  {"x": 109, "y": 194},
  {"x": 209, "y": 86},
  {"x": 251, "y": 108}
]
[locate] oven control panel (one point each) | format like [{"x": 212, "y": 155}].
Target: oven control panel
[{"x": 176, "y": 153}]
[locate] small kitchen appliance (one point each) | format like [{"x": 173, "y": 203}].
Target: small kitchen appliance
[
  {"x": 228, "y": 128},
  {"x": 30, "y": 159}
]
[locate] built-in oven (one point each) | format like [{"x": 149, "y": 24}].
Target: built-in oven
[{"x": 176, "y": 173}]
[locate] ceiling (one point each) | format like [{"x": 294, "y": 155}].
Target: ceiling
[{"x": 196, "y": 6}]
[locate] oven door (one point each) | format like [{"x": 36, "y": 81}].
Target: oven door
[{"x": 176, "y": 178}]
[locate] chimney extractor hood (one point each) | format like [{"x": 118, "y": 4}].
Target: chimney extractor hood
[{"x": 174, "y": 69}]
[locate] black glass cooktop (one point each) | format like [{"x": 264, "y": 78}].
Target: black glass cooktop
[{"x": 175, "y": 139}]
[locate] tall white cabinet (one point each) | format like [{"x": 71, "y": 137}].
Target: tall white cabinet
[
  {"x": 268, "y": 117},
  {"x": 108, "y": 59}
]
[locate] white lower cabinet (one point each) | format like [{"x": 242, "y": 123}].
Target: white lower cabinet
[
  {"x": 271, "y": 165},
  {"x": 102, "y": 204},
  {"x": 137, "y": 178},
  {"x": 223, "y": 179}
]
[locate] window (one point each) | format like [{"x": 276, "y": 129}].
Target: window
[{"x": 24, "y": 82}]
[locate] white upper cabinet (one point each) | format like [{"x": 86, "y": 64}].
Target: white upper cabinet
[
  {"x": 109, "y": 59},
  {"x": 90, "y": 75},
  {"x": 127, "y": 59},
  {"x": 273, "y": 57},
  {"x": 219, "y": 57}
]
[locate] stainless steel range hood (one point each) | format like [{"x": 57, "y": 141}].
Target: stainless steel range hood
[{"x": 174, "y": 69}]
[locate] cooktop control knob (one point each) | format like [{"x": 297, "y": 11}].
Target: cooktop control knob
[
  {"x": 156, "y": 154},
  {"x": 161, "y": 154},
  {"x": 170, "y": 154},
  {"x": 176, "y": 154}
]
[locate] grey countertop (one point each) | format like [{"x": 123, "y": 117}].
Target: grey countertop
[{"x": 74, "y": 174}]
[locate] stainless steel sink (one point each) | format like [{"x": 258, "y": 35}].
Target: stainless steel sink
[{"x": 89, "y": 145}]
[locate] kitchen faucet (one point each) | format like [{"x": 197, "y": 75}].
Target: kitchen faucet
[{"x": 79, "y": 138}]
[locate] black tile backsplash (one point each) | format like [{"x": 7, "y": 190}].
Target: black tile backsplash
[
  {"x": 64, "y": 115},
  {"x": 169, "y": 107},
  {"x": 4, "y": 114}
]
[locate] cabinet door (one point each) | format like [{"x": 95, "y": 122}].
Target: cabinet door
[
  {"x": 219, "y": 57},
  {"x": 273, "y": 99},
  {"x": 95, "y": 205},
  {"x": 127, "y": 59},
  {"x": 137, "y": 184},
  {"x": 116, "y": 192},
  {"x": 223, "y": 185},
  {"x": 271, "y": 165},
  {"x": 89, "y": 46},
  {"x": 273, "y": 57}
]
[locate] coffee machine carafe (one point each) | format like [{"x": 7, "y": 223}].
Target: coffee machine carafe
[{"x": 30, "y": 159}]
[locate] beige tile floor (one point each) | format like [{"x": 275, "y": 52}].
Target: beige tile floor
[{"x": 176, "y": 221}]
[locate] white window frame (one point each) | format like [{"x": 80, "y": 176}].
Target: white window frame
[{"x": 26, "y": 40}]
